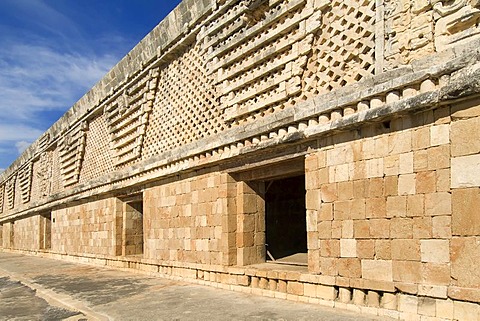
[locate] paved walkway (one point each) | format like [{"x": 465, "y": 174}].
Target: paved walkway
[{"x": 33, "y": 288}]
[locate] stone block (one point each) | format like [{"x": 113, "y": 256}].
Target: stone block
[
  {"x": 381, "y": 270},
  {"x": 415, "y": 205},
  {"x": 407, "y": 271},
  {"x": 390, "y": 186},
  {"x": 427, "y": 306},
  {"x": 348, "y": 248},
  {"x": 405, "y": 250},
  {"x": 406, "y": 184},
  {"x": 329, "y": 192},
  {"x": 365, "y": 249},
  {"x": 349, "y": 267},
  {"x": 373, "y": 299},
  {"x": 442, "y": 225},
  {"x": 444, "y": 309},
  {"x": 465, "y": 216},
  {"x": 438, "y": 204},
  {"x": 465, "y": 253},
  {"x": 462, "y": 132},
  {"x": 435, "y": 274},
  {"x": 326, "y": 292},
  {"x": 389, "y": 301},
  {"x": 326, "y": 212},
  {"x": 295, "y": 288},
  {"x": 433, "y": 291},
  {"x": 422, "y": 227},
  {"x": 406, "y": 163},
  {"x": 375, "y": 187},
  {"x": 345, "y": 295},
  {"x": 359, "y": 297},
  {"x": 440, "y": 134},
  {"x": 438, "y": 157},
  {"x": 407, "y": 303},
  {"x": 361, "y": 229},
  {"x": 466, "y": 311},
  {"x": 383, "y": 249},
  {"x": 310, "y": 290},
  {"x": 425, "y": 182},
  {"x": 421, "y": 138},
  {"x": 376, "y": 207},
  {"x": 396, "y": 206},
  {"x": 464, "y": 294},
  {"x": 443, "y": 180},
  {"x": 435, "y": 251},
  {"x": 401, "y": 228},
  {"x": 463, "y": 169},
  {"x": 347, "y": 229},
  {"x": 420, "y": 160},
  {"x": 379, "y": 228}
]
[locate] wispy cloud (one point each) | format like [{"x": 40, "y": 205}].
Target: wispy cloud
[{"x": 42, "y": 74}]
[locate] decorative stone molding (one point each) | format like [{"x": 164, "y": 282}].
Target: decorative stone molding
[
  {"x": 10, "y": 191},
  {"x": 2, "y": 197},
  {"x": 25, "y": 182},
  {"x": 72, "y": 149},
  {"x": 127, "y": 118},
  {"x": 457, "y": 21}
]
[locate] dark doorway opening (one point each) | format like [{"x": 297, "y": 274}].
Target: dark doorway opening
[
  {"x": 46, "y": 231},
  {"x": 285, "y": 218},
  {"x": 133, "y": 228}
]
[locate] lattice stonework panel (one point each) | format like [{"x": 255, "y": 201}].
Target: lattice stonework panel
[
  {"x": 2, "y": 197},
  {"x": 128, "y": 116},
  {"x": 185, "y": 107},
  {"x": 97, "y": 160},
  {"x": 10, "y": 191},
  {"x": 71, "y": 151},
  {"x": 257, "y": 51},
  {"x": 344, "y": 47},
  {"x": 25, "y": 182}
]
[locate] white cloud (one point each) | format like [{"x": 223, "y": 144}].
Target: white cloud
[
  {"x": 45, "y": 79},
  {"x": 21, "y": 146},
  {"x": 18, "y": 133}
]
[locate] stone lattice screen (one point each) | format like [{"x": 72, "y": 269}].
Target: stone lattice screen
[{"x": 231, "y": 65}]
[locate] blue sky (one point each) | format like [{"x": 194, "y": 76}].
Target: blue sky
[{"x": 53, "y": 51}]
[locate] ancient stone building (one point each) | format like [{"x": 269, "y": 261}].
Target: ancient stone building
[{"x": 313, "y": 150}]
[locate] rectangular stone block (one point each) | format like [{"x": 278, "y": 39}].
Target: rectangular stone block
[
  {"x": 464, "y": 252},
  {"x": 381, "y": 270},
  {"x": 465, "y": 216},
  {"x": 462, "y": 132},
  {"x": 464, "y": 171},
  {"x": 435, "y": 251}
]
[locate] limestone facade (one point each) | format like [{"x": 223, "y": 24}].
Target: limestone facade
[{"x": 177, "y": 160}]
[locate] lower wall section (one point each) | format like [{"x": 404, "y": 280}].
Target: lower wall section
[
  {"x": 86, "y": 228},
  {"x": 271, "y": 280}
]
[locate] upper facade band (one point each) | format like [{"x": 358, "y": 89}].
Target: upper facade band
[{"x": 218, "y": 78}]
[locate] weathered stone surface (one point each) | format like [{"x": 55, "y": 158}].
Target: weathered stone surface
[
  {"x": 465, "y": 252},
  {"x": 463, "y": 171},
  {"x": 465, "y": 218}
]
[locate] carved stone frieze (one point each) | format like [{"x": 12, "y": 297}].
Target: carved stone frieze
[
  {"x": 457, "y": 22},
  {"x": 25, "y": 182},
  {"x": 72, "y": 150},
  {"x": 10, "y": 191},
  {"x": 2, "y": 197},
  {"x": 127, "y": 118}
]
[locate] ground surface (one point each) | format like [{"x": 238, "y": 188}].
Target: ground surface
[{"x": 33, "y": 288}]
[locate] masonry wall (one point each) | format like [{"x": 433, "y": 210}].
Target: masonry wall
[
  {"x": 377, "y": 101},
  {"x": 88, "y": 228},
  {"x": 183, "y": 220},
  {"x": 27, "y": 234},
  {"x": 389, "y": 209}
]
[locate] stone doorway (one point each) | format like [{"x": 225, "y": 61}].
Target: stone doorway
[
  {"x": 46, "y": 231},
  {"x": 132, "y": 226},
  {"x": 285, "y": 220}
]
